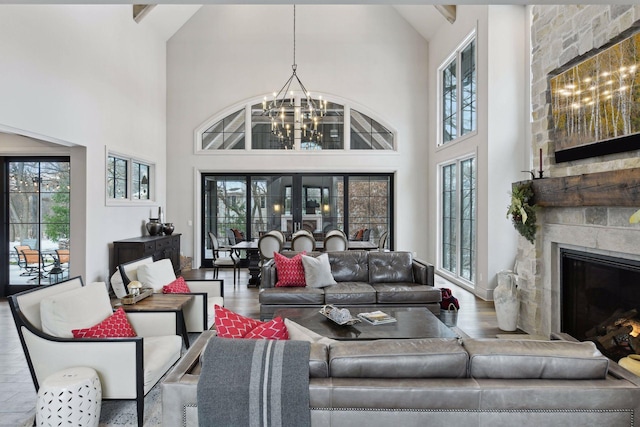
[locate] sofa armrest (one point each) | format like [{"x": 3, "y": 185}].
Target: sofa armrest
[
  {"x": 268, "y": 274},
  {"x": 423, "y": 272},
  {"x": 213, "y": 288}
]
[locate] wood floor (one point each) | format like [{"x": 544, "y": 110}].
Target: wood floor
[{"x": 476, "y": 319}]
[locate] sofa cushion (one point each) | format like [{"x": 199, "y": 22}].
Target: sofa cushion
[
  {"x": 156, "y": 274},
  {"x": 290, "y": 270},
  {"x": 115, "y": 326},
  {"x": 233, "y": 325},
  {"x": 406, "y": 293},
  {"x": 271, "y": 330},
  {"x": 317, "y": 271},
  {"x": 178, "y": 286},
  {"x": 390, "y": 267},
  {"x": 347, "y": 293},
  {"x": 350, "y": 266},
  {"x": 75, "y": 309},
  {"x": 293, "y": 295},
  {"x": 495, "y": 358},
  {"x": 412, "y": 358}
]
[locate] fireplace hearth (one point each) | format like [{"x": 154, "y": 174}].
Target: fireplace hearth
[{"x": 600, "y": 299}]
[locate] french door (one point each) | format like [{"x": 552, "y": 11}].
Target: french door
[
  {"x": 256, "y": 203},
  {"x": 36, "y": 221}
]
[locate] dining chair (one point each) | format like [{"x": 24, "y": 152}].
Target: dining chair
[
  {"x": 334, "y": 242},
  {"x": 303, "y": 242},
  {"x": 382, "y": 243},
  {"x": 223, "y": 261},
  {"x": 268, "y": 244}
]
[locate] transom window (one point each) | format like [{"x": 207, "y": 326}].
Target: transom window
[
  {"x": 458, "y": 87},
  {"x": 339, "y": 128}
]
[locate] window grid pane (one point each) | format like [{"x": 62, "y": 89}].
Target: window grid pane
[
  {"x": 468, "y": 71},
  {"x": 226, "y": 134},
  {"x": 449, "y": 199},
  {"x": 467, "y": 220},
  {"x": 449, "y": 102}
]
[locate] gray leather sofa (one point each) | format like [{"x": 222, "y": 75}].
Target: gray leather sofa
[
  {"x": 442, "y": 382},
  {"x": 384, "y": 279}
]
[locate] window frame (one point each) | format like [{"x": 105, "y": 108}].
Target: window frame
[
  {"x": 456, "y": 55},
  {"x": 247, "y": 107},
  {"x": 457, "y": 275},
  {"x": 131, "y": 162}
]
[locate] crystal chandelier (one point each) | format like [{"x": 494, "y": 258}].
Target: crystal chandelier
[{"x": 295, "y": 118}]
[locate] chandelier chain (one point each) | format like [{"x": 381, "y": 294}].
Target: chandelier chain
[{"x": 294, "y": 39}]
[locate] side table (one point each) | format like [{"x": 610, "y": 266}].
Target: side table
[
  {"x": 162, "y": 302},
  {"x": 70, "y": 397}
]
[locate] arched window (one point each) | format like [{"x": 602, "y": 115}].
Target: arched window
[{"x": 340, "y": 127}]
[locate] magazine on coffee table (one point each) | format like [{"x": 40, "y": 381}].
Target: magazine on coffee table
[{"x": 377, "y": 317}]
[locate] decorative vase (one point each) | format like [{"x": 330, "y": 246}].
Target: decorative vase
[
  {"x": 154, "y": 227},
  {"x": 505, "y": 299},
  {"x": 168, "y": 228}
]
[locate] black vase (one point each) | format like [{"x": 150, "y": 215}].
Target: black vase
[
  {"x": 154, "y": 227},
  {"x": 168, "y": 228}
]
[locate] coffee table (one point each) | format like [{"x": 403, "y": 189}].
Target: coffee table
[{"x": 412, "y": 322}]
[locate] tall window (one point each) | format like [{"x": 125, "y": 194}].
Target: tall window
[
  {"x": 458, "y": 219},
  {"x": 458, "y": 83}
]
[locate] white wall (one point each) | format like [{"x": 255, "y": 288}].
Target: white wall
[
  {"x": 498, "y": 143},
  {"x": 364, "y": 54},
  {"x": 89, "y": 77}
]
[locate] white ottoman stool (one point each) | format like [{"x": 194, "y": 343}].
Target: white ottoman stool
[{"x": 70, "y": 397}]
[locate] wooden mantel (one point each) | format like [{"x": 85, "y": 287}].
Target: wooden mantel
[{"x": 615, "y": 188}]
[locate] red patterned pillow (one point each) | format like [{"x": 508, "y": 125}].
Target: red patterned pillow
[
  {"x": 178, "y": 286},
  {"x": 115, "y": 326},
  {"x": 273, "y": 330},
  {"x": 290, "y": 270},
  {"x": 233, "y": 325}
]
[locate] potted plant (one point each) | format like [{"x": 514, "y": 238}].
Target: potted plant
[{"x": 521, "y": 212}]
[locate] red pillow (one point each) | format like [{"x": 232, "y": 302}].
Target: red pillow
[
  {"x": 290, "y": 270},
  {"x": 273, "y": 330},
  {"x": 233, "y": 325},
  {"x": 178, "y": 286},
  {"x": 115, "y": 326}
]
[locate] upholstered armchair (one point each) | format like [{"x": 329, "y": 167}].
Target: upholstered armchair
[
  {"x": 198, "y": 314},
  {"x": 127, "y": 367}
]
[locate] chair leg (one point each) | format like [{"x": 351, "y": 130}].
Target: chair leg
[{"x": 140, "y": 406}]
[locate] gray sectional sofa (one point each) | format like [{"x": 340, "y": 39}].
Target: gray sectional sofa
[
  {"x": 444, "y": 382},
  {"x": 384, "y": 279}
]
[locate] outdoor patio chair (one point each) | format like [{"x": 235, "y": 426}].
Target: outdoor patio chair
[{"x": 30, "y": 268}]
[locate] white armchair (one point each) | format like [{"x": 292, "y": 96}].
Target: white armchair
[
  {"x": 127, "y": 367},
  {"x": 198, "y": 314}
]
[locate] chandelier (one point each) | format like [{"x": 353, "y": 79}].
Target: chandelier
[{"x": 295, "y": 118}]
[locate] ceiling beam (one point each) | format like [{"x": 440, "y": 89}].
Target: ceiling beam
[
  {"x": 141, "y": 10},
  {"x": 448, "y": 11}
]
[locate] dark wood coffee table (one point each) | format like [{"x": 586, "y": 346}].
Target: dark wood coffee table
[{"x": 412, "y": 322}]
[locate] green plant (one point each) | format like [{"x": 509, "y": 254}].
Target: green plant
[{"x": 522, "y": 214}]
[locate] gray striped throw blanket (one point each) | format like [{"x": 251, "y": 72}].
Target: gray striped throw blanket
[{"x": 254, "y": 383}]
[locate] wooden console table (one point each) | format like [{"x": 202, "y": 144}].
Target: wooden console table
[{"x": 159, "y": 247}]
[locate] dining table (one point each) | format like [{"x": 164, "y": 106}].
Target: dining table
[{"x": 253, "y": 255}]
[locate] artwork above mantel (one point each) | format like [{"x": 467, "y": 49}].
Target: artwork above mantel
[
  {"x": 614, "y": 188},
  {"x": 595, "y": 102}
]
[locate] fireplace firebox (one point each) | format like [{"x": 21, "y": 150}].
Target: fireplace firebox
[{"x": 594, "y": 287}]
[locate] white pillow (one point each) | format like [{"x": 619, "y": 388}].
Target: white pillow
[
  {"x": 298, "y": 332},
  {"x": 317, "y": 271},
  {"x": 76, "y": 309},
  {"x": 156, "y": 275},
  {"x": 118, "y": 285}
]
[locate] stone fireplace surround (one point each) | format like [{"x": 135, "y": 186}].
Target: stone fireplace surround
[{"x": 559, "y": 34}]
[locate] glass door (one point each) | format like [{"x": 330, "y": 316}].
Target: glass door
[{"x": 37, "y": 219}]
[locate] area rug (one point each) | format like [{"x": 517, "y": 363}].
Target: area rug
[{"x": 124, "y": 413}]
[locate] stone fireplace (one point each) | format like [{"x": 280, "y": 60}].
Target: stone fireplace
[{"x": 560, "y": 34}]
